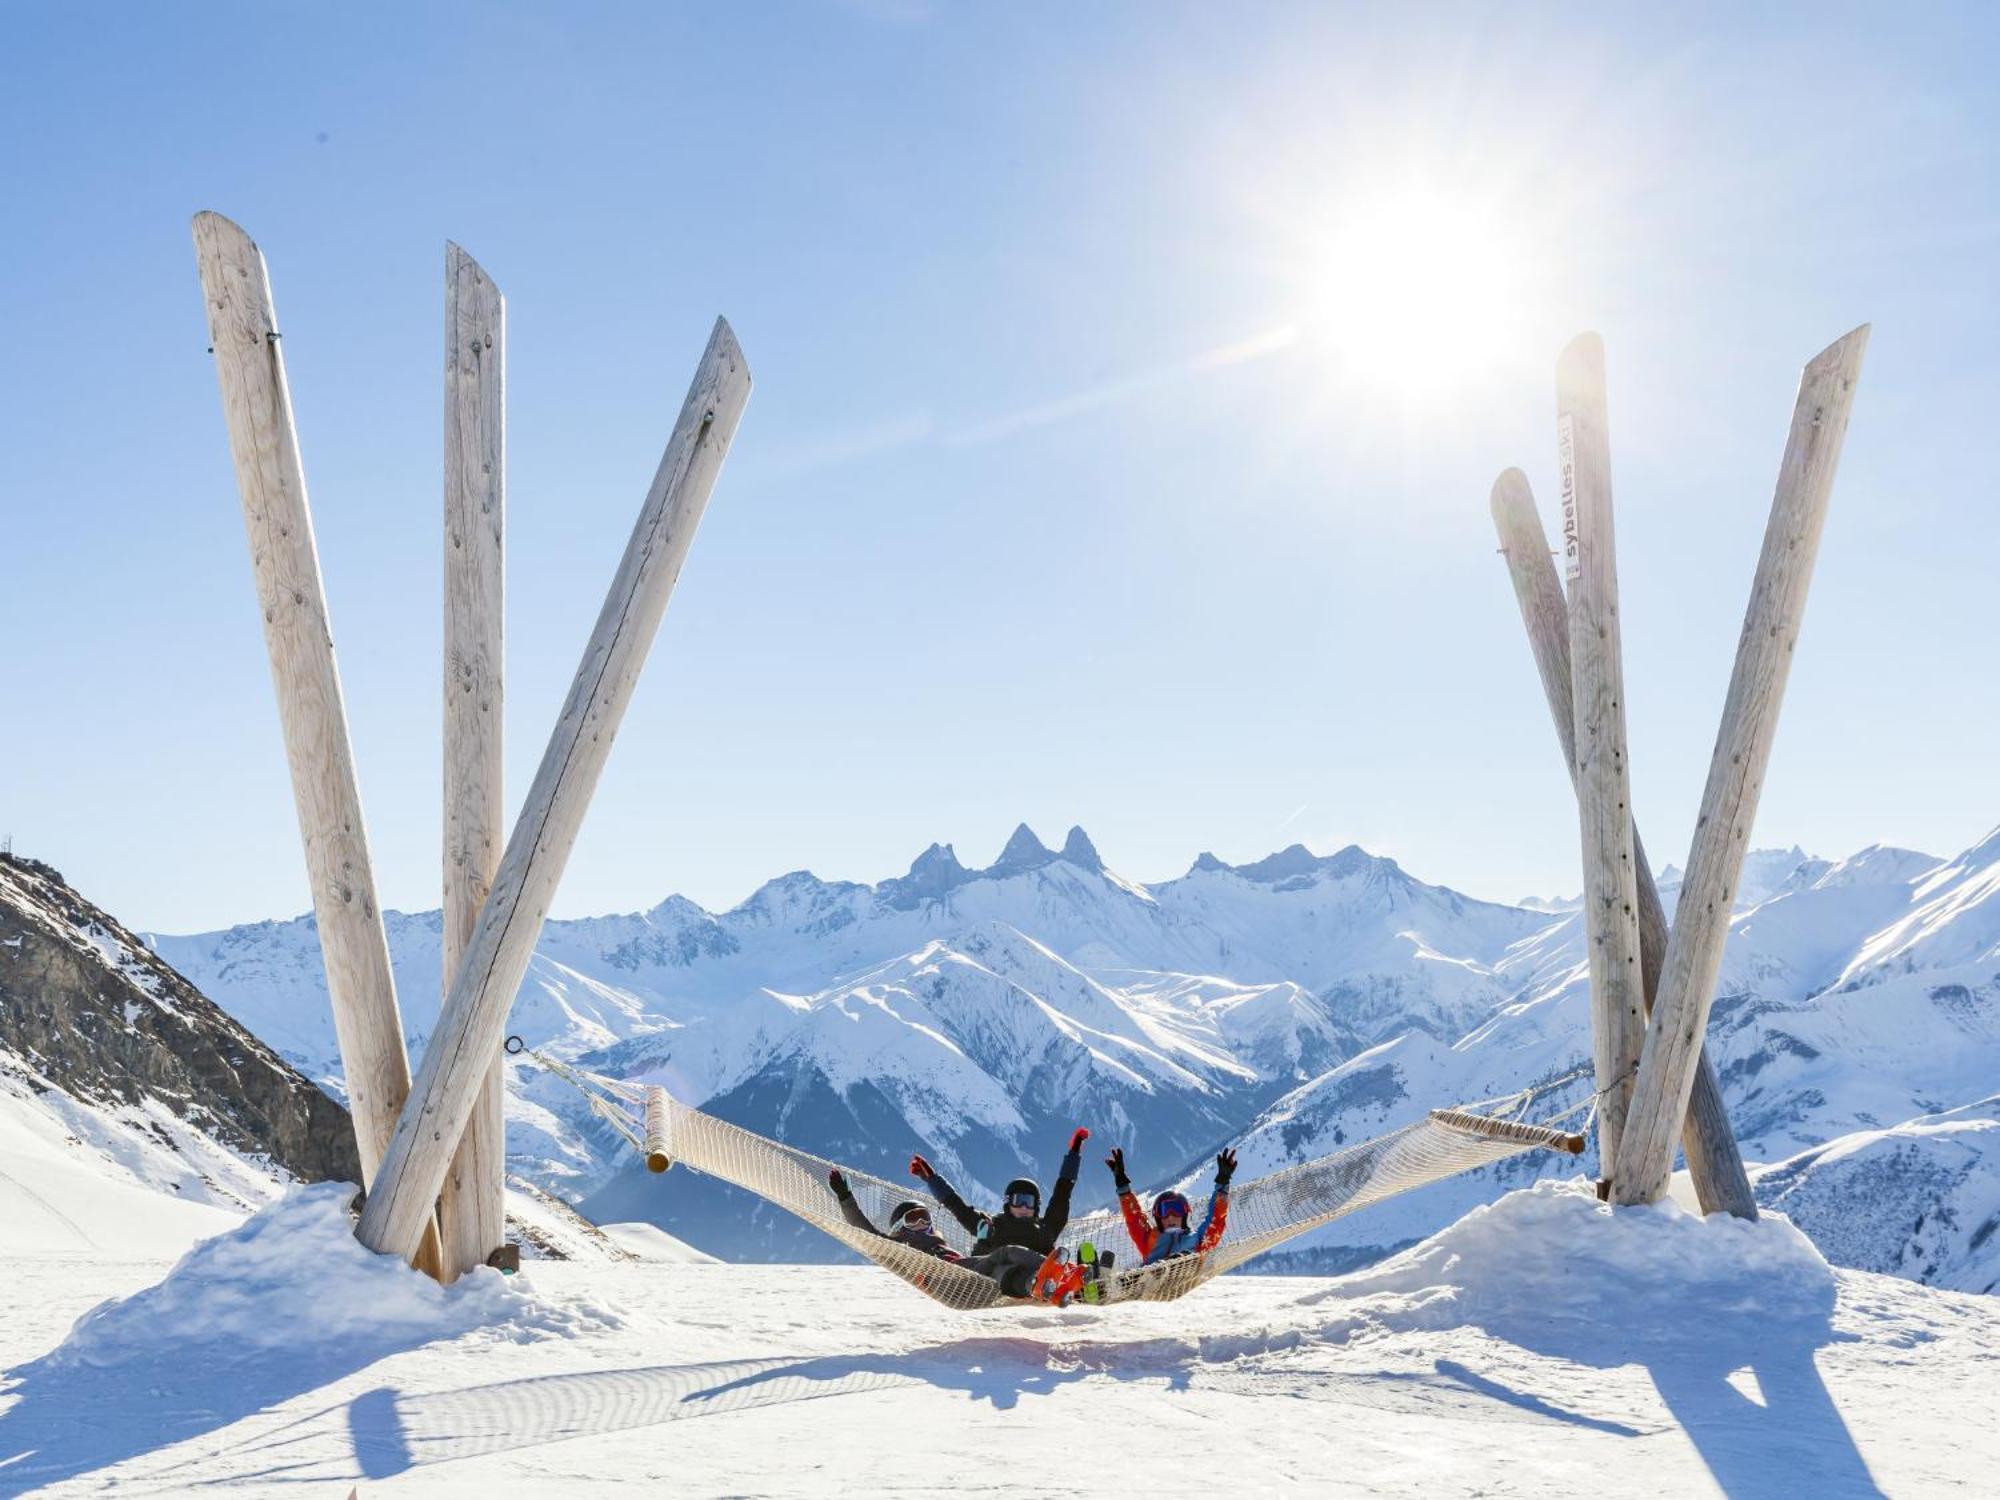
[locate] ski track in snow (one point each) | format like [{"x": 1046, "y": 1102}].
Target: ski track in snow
[{"x": 1546, "y": 1346}]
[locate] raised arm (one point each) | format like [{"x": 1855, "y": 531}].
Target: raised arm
[
  {"x": 1055, "y": 1218},
  {"x": 970, "y": 1219},
  {"x": 1217, "y": 1219},
  {"x": 1135, "y": 1216},
  {"x": 849, "y": 1209}
]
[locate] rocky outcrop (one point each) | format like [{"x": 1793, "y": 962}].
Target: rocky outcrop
[{"x": 91, "y": 1010}]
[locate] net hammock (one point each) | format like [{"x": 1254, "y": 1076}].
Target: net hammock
[{"x": 1263, "y": 1213}]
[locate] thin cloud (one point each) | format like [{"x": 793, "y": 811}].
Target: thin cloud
[
  {"x": 884, "y": 437},
  {"x": 1243, "y": 351},
  {"x": 917, "y": 429}
]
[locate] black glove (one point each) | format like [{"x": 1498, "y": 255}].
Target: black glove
[
  {"x": 1116, "y": 1161},
  {"x": 838, "y": 1182},
  {"x": 1225, "y": 1168}
]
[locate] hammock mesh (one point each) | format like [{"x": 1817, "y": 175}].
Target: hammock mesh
[{"x": 1262, "y": 1214}]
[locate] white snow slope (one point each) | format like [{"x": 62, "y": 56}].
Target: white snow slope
[{"x": 1546, "y": 1345}]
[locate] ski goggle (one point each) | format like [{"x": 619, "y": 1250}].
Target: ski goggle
[
  {"x": 1024, "y": 1200},
  {"x": 1174, "y": 1204},
  {"x": 915, "y": 1218}
]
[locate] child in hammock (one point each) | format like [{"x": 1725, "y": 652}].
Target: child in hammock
[
  {"x": 1011, "y": 1267},
  {"x": 1169, "y": 1231},
  {"x": 1022, "y": 1225}
]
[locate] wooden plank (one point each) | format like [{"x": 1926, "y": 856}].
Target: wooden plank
[
  {"x": 472, "y": 1214},
  {"x": 1736, "y": 770},
  {"x": 475, "y": 1012},
  {"x": 1603, "y": 776},
  {"x": 1714, "y": 1162},
  {"x": 263, "y": 440}
]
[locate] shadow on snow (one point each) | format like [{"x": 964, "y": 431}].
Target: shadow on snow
[{"x": 72, "y": 1420}]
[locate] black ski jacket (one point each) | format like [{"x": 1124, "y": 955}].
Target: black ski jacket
[
  {"x": 991, "y": 1231},
  {"x": 930, "y": 1244}
]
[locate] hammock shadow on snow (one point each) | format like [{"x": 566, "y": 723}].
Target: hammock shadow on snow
[
  {"x": 70, "y": 1418},
  {"x": 392, "y": 1432}
]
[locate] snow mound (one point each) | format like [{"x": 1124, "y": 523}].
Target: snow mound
[
  {"x": 1551, "y": 1258},
  {"x": 293, "y": 1277}
]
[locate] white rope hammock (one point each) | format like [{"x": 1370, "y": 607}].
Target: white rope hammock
[{"x": 1263, "y": 1214}]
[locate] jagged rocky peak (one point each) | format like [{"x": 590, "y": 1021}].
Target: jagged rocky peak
[
  {"x": 1023, "y": 852},
  {"x": 1293, "y": 860},
  {"x": 1297, "y": 862},
  {"x": 935, "y": 871},
  {"x": 939, "y": 862},
  {"x": 934, "y": 874},
  {"x": 1079, "y": 850}
]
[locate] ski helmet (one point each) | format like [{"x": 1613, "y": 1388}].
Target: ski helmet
[
  {"x": 1023, "y": 1190},
  {"x": 1171, "y": 1202},
  {"x": 899, "y": 1216}
]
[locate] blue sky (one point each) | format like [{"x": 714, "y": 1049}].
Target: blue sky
[{"x": 1088, "y": 477}]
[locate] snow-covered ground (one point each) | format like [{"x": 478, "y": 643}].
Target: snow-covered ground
[{"x": 1543, "y": 1346}]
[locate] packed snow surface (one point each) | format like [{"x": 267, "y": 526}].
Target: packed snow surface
[{"x": 1544, "y": 1345}]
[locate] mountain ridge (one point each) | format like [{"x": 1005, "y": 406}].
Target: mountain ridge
[{"x": 1292, "y": 1003}]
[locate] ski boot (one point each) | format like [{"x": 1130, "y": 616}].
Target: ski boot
[
  {"x": 1056, "y": 1281},
  {"x": 1095, "y": 1268}
]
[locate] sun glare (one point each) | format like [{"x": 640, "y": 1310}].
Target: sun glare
[{"x": 1417, "y": 290}]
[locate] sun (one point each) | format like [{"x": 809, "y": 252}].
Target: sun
[{"x": 1414, "y": 289}]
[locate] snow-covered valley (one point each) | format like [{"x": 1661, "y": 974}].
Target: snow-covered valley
[{"x": 1294, "y": 1004}]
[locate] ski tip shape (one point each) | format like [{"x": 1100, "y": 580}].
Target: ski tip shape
[
  {"x": 220, "y": 229},
  {"x": 1583, "y": 354},
  {"x": 460, "y": 266},
  {"x": 1845, "y": 350},
  {"x": 722, "y": 345},
  {"x": 1511, "y": 493}
]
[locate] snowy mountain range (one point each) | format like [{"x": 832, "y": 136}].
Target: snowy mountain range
[{"x": 1292, "y": 1004}]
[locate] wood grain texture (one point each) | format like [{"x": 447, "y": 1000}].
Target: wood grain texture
[
  {"x": 472, "y": 1214},
  {"x": 1736, "y": 770},
  {"x": 257, "y": 407},
  {"x": 1714, "y": 1161},
  {"x": 475, "y": 1012},
  {"x": 1603, "y": 773}
]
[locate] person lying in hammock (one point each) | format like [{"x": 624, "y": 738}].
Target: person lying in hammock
[
  {"x": 1021, "y": 1225},
  {"x": 1013, "y": 1268},
  {"x": 1169, "y": 1232},
  {"x": 909, "y": 1221},
  {"x": 1020, "y": 1220}
]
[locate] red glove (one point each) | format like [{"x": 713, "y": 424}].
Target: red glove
[
  {"x": 1076, "y": 1141},
  {"x": 920, "y": 1168}
]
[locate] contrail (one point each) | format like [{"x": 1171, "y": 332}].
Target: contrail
[
  {"x": 919, "y": 429},
  {"x": 1243, "y": 351}
]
